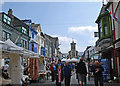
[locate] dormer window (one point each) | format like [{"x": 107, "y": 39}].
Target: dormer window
[{"x": 7, "y": 19}]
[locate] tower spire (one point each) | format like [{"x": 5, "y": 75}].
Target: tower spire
[
  {"x": 72, "y": 40},
  {"x": 102, "y": 2}
]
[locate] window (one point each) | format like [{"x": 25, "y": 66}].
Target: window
[
  {"x": 106, "y": 31},
  {"x": 32, "y": 47},
  {"x": 30, "y": 33},
  {"x": 8, "y": 36},
  {"x": 24, "y": 43},
  {"x": 24, "y": 30},
  {"x": 7, "y": 19},
  {"x": 5, "y": 36},
  {"x": 100, "y": 32},
  {"x": 105, "y": 26},
  {"x": 100, "y": 28},
  {"x": 33, "y": 35}
]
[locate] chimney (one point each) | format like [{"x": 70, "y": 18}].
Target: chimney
[{"x": 10, "y": 12}]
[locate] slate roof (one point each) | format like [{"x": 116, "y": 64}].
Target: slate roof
[{"x": 102, "y": 11}]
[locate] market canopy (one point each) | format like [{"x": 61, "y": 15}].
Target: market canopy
[
  {"x": 13, "y": 46},
  {"x": 63, "y": 60},
  {"x": 9, "y": 47},
  {"x": 74, "y": 60}
]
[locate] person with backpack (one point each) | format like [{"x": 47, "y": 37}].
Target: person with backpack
[{"x": 82, "y": 71}]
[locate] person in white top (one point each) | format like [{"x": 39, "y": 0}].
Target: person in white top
[{"x": 6, "y": 66}]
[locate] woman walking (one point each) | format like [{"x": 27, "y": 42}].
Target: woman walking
[{"x": 59, "y": 75}]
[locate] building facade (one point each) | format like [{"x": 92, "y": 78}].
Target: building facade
[
  {"x": 14, "y": 29},
  {"x": 40, "y": 39},
  {"x": 33, "y": 36},
  {"x": 105, "y": 41},
  {"x": 54, "y": 46},
  {"x": 114, "y": 9}
]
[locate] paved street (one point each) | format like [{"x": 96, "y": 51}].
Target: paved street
[{"x": 73, "y": 83}]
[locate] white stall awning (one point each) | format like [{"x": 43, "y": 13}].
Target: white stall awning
[
  {"x": 63, "y": 60},
  {"x": 74, "y": 60},
  {"x": 9, "y": 47}
]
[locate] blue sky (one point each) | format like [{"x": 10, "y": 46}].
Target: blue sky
[{"x": 66, "y": 20}]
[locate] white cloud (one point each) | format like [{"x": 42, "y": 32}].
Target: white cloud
[
  {"x": 82, "y": 29},
  {"x": 85, "y": 34},
  {"x": 93, "y": 41},
  {"x": 65, "y": 43},
  {"x": 65, "y": 39}
]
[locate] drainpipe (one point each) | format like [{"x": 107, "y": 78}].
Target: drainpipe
[{"x": 114, "y": 45}]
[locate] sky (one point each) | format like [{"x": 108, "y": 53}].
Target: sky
[{"x": 66, "y": 20}]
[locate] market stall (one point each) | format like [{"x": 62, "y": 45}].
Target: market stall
[
  {"x": 74, "y": 60},
  {"x": 15, "y": 54}
]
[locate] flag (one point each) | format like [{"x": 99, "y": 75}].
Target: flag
[
  {"x": 52, "y": 59},
  {"x": 16, "y": 39},
  {"x": 113, "y": 16},
  {"x": 58, "y": 45}
]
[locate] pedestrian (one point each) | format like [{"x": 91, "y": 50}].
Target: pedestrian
[
  {"x": 76, "y": 71},
  {"x": 52, "y": 68},
  {"x": 60, "y": 63},
  {"x": 5, "y": 70},
  {"x": 82, "y": 72},
  {"x": 6, "y": 66},
  {"x": 73, "y": 67},
  {"x": 97, "y": 70},
  {"x": 67, "y": 73},
  {"x": 59, "y": 75}
]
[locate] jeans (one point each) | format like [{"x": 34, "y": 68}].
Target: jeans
[{"x": 67, "y": 81}]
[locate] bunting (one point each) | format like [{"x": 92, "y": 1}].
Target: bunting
[{"x": 113, "y": 16}]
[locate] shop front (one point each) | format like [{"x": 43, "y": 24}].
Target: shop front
[
  {"x": 117, "y": 59},
  {"x": 107, "y": 62},
  {"x": 15, "y": 54}
]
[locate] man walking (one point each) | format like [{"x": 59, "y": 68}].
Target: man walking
[
  {"x": 67, "y": 73},
  {"x": 97, "y": 71},
  {"x": 59, "y": 63},
  {"x": 82, "y": 71}
]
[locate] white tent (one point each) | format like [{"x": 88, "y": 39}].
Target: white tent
[
  {"x": 1, "y": 42},
  {"x": 69, "y": 60},
  {"x": 63, "y": 60},
  {"x": 74, "y": 60},
  {"x": 13, "y": 48},
  {"x": 15, "y": 53}
]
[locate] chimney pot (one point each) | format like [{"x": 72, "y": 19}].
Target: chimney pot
[{"x": 10, "y": 12}]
